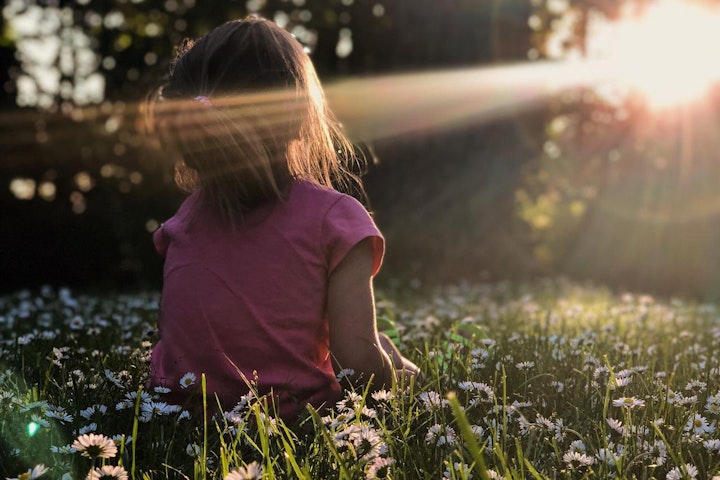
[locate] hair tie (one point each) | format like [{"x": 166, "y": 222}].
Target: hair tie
[{"x": 204, "y": 100}]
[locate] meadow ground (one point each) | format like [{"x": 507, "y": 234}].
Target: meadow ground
[{"x": 545, "y": 380}]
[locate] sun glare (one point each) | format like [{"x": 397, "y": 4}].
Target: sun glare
[{"x": 663, "y": 52}]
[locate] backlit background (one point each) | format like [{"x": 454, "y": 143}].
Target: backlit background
[{"x": 508, "y": 138}]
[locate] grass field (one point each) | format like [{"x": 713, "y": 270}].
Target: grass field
[{"x": 548, "y": 380}]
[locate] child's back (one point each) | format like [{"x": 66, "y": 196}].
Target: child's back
[{"x": 253, "y": 299}]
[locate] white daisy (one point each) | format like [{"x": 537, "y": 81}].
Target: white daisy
[
  {"x": 493, "y": 475},
  {"x": 677, "y": 472},
  {"x": 368, "y": 412},
  {"x": 108, "y": 472},
  {"x": 559, "y": 386},
  {"x": 60, "y": 414},
  {"x": 158, "y": 408},
  {"x": 527, "y": 365},
  {"x": 88, "y": 428},
  {"x": 543, "y": 422},
  {"x": 87, "y": 412},
  {"x": 439, "y": 435},
  {"x": 188, "y": 380},
  {"x": 368, "y": 444},
  {"x": 382, "y": 395},
  {"x": 713, "y": 446},
  {"x": 64, "y": 449},
  {"x": 40, "y": 421},
  {"x": 620, "y": 382},
  {"x": 578, "y": 446},
  {"x": 461, "y": 470},
  {"x": 673, "y": 397},
  {"x": 616, "y": 425},
  {"x": 95, "y": 446},
  {"x": 341, "y": 419},
  {"x": 35, "y": 472},
  {"x": 193, "y": 449},
  {"x": 119, "y": 438},
  {"x": 379, "y": 468},
  {"x": 606, "y": 456},
  {"x": 351, "y": 402},
  {"x": 699, "y": 425},
  {"x": 628, "y": 402},
  {"x": 432, "y": 400},
  {"x": 344, "y": 373},
  {"x": 577, "y": 459},
  {"x": 252, "y": 471},
  {"x": 712, "y": 405},
  {"x": 696, "y": 386},
  {"x": 484, "y": 391}
]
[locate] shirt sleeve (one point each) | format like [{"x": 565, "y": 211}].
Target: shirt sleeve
[
  {"x": 160, "y": 240},
  {"x": 346, "y": 224}
]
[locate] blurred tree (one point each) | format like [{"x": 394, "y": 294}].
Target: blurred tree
[
  {"x": 84, "y": 192},
  {"x": 621, "y": 192}
]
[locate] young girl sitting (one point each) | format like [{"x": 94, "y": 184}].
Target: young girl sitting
[{"x": 268, "y": 269}]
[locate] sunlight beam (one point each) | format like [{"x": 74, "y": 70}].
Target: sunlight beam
[{"x": 387, "y": 106}]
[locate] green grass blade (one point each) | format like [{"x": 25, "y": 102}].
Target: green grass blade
[{"x": 475, "y": 451}]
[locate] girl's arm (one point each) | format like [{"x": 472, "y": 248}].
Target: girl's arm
[{"x": 354, "y": 341}]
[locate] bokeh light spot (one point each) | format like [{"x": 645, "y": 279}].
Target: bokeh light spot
[
  {"x": 47, "y": 191},
  {"x": 114, "y": 19},
  {"x": 153, "y": 29},
  {"x": 305, "y": 15},
  {"x": 180, "y": 24},
  {"x": 344, "y": 45},
  {"x": 150, "y": 58},
  {"x": 84, "y": 181},
  {"x": 151, "y": 225},
  {"x": 119, "y": 149},
  {"x": 23, "y": 188},
  {"x": 254, "y": 5},
  {"x": 136, "y": 178},
  {"x": 78, "y": 202},
  {"x": 109, "y": 63},
  {"x": 281, "y": 18},
  {"x": 123, "y": 41},
  {"x": 107, "y": 170},
  {"x": 112, "y": 124}
]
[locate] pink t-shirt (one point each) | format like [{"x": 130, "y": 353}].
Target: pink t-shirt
[{"x": 253, "y": 300}]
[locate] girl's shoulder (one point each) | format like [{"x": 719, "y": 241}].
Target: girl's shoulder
[
  {"x": 325, "y": 206},
  {"x": 319, "y": 196},
  {"x": 189, "y": 204},
  {"x": 328, "y": 206},
  {"x": 185, "y": 212}
]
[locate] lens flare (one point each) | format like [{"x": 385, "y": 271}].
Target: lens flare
[
  {"x": 32, "y": 429},
  {"x": 661, "y": 52}
]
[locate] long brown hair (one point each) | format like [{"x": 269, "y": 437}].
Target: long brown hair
[{"x": 245, "y": 110}]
